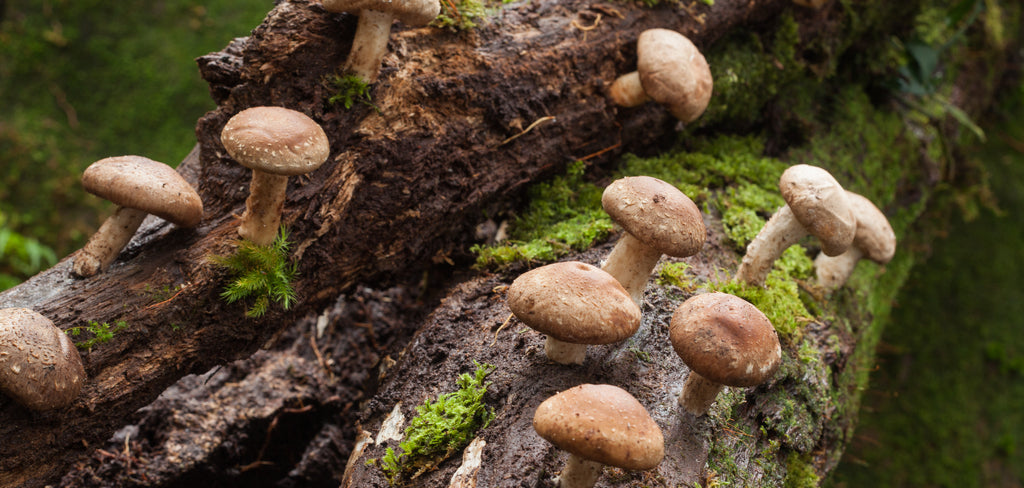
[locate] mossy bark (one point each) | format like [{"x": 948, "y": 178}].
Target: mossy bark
[{"x": 405, "y": 187}]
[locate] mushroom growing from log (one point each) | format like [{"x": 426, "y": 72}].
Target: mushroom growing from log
[
  {"x": 726, "y": 341},
  {"x": 574, "y": 304},
  {"x": 815, "y": 205},
  {"x": 873, "y": 239},
  {"x": 599, "y": 425},
  {"x": 658, "y": 219},
  {"x": 669, "y": 70},
  {"x": 275, "y": 143},
  {"x": 139, "y": 186},
  {"x": 374, "y": 28},
  {"x": 39, "y": 365}
]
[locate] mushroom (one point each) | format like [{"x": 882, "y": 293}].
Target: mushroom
[
  {"x": 139, "y": 186},
  {"x": 815, "y": 204},
  {"x": 725, "y": 341},
  {"x": 669, "y": 70},
  {"x": 574, "y": 304},
  {"x": 598, "y": 425},
  {"x": 374, "y": 28},
  {"x": 658, "y": 219},
  {"x": 275, "y": 143},
  {"x": 874, "y": 239},
  {"x": 39, "y": 365}
]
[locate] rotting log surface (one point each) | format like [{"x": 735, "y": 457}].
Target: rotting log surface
[{"x": 403, "y": 186}]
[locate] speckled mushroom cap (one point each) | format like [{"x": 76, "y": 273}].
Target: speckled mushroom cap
[
  {"x": 602, "y": 423},
  {"x": 656, "y": 213},
  {"x": 673, "y": 72},
  {"x": 574, "y": 302},
  {"x": 874, "y": 236},
  {"x": 39, "y": 366},
  {"x": 275, "y": 140},
  {"x": 725, "y": 339},
  {"x": 409, "y": 12},
  {"x": 819, "y": 203},
  {"x": 143, "y": 184}
]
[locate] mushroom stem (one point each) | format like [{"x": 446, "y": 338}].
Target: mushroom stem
[
  {"x": 781, "y": 231},
  {"x": 631, "y": 262},
  {"x": 833, "y": 271},
  {"x": 698, "y": 394},
  {"x": 370, "y": 44},
  {"x": 627, "y": 91},
  {"x": 579, "y": 473},
  {"x": 262, "y": 216},
  {"x": 104, "y": 246},
  {"x": 563, "y": 352}
]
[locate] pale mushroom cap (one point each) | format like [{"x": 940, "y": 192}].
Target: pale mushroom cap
[
  {"x": 874, "y": 236},
  {"x": 725, "y": 339},
  {"x": 409, "y": 12},
  {"x": 656, "y": 213},
  {"x": 275, "y": 140},
  {"x": 143, "y": 184},
  {"x": 39, "y": 366},
  {"x": 602, "y": 423},
  {"x": 673, "y": 72},
  {"x": 819, "y": 203},
  {"x": 574, "y": 302}
]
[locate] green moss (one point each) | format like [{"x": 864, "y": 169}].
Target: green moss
[
  {"x": 100, "y": 333},
  {"x": 460, "y": 14},
  {"x": 800, "y": 473},
  {"x": 350, "y": 89},
  {"x": 263, "y": 273},
  {"x": 673, "y": 273},
  {"x": 441, "y": 427}
]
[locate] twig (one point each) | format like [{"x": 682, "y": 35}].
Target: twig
[
  {"x": 528, "y": 129},
  {"x": 503, "y": 325}
]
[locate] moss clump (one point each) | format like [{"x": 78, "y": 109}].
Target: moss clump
[
  {"x": 674, "y": 274},
  {"x": 800, "y": 473},
  {"x": 349, "y": 90},
  {"x": 441, "y": 427},
  {"x": 101, "y": 332},
  {"x": 459, "y": 15},
  {"x": 260, "y": 272}
]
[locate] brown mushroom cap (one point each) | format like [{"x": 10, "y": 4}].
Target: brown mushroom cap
[
  {"x": 819, "y": 203},
  {"x": 275, "y": 140},
  {"x": 725, "y": 339},
  {"x": 874, "y": 236},
  {"x": 143, "y": 184},
  {"x": 673, "y": 72},
  {"x": 601, "y": 423},
  {"x": 409, "y": 12},
  {"x": 574, "y": 302},
  {"x": 39, "y": 366},
  {"x": 656, "y": 213}
]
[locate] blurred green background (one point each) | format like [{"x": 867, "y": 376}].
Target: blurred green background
[{"x": 84, "y": 80}]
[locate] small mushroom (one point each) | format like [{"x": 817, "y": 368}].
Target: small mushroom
[
  {"x": 658, "y": 219},
  {"x": 139, "y": 186},
  {"x": 874, "y": 239},
  {"x": 598, "y": 425},
  {"x": 669, "y": 70},
  {"x": 374, "y": 28},
  {"x": 275, "y": 143},
  {"x": 815, "y": 204},
  {"x": 39, "y": 365},
  {"x": 725, "y": 341},
  {"x": 574, "y": 304}
]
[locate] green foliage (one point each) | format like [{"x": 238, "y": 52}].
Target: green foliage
[
  {"x": 800, "y": 473},
  {"x": 20, "y": 256},
  {"x": 260, "y": 272},
  {"x": 674, "y": 274},
  {"x": 459, "y": 15},
  {"x": 80, "y": 81},
  {"x": 350, "y": 89},
  {"x": 101, "y": 333},
  {"x": 442, "y": 427}
]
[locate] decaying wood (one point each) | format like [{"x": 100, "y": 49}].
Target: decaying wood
[{"x": 403, "y": 186}]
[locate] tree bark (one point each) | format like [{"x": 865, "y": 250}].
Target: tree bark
[{"x": 404, "y": 186}]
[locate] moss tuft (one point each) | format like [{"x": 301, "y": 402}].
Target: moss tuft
[{"x": 260, "y": 272}]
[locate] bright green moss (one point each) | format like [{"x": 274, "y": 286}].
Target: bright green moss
[
  {"x": 674, "y": 274},
  {"x": 350, "y": 89},
  {"x": 800, "y": 473},
  {"x": 441, "y": 427},
  {"x": 263, "y": 273}
]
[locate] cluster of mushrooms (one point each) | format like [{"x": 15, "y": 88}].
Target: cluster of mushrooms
[{"x": 723, "y": 339}]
